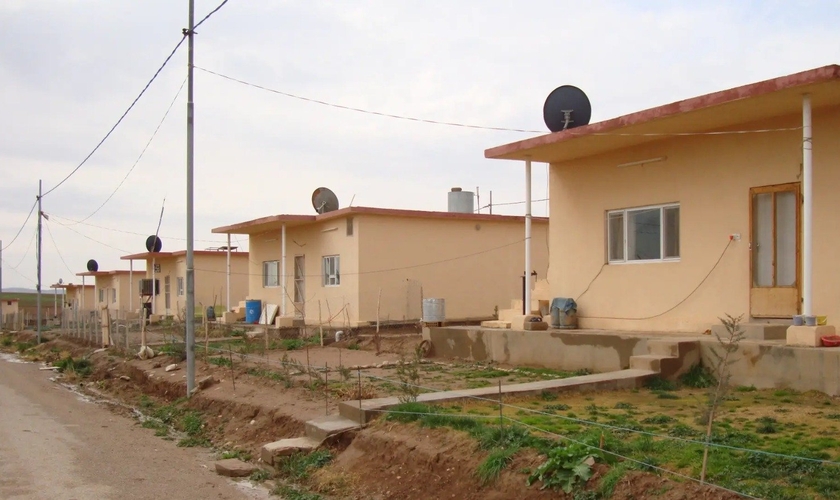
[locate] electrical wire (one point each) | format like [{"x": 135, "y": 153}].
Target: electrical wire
[
  {"x": 49, "y": 233},
  {"x": 92, "y": 239},
  {"x": 28, "y": 247},
  {"x": 148, "y": 143},
  {"x": 365, "y": 111},
  {"x": 73, "y": 222},
  {"x": 130, "y": 107},
  {"x": 31, "y": 210},
  {"x": 728, "y": 244},
  {"x": 19, "y": 273},
  {"x": 210, "y": 14}
]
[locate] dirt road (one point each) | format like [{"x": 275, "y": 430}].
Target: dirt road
[{"x": 54, "y": 445}]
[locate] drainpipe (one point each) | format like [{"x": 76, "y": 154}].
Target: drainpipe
[
  {"x": 84, "y": 289},
  {"x": 283, "y": 268},
  {"x": 154, "y": 288},
  {"x": 130, "y": 285},
  {"x": 527, "y": 294},
  {"x": 807, "y": 208},
  {"x": 227, "y": 278}
]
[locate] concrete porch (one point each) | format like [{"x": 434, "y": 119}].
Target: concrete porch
[{"x": 765, "y": 364}]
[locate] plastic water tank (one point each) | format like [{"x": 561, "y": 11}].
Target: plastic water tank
[
  {"x": 434, "y": 310},
  {"x": 461, "y": 201},
  {"x": 253, "y": 308}
]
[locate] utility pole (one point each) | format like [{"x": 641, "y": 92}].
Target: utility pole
[
  {"x": 38, "y": 286},
  {"x": 2, "y": 318},
  {"x": 190, "y": 334}
]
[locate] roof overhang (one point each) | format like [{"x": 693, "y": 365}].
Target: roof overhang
[
  {"x": 275, "y": 222},
  {"x": 179, "y": 253},
  {"x": 720, "y": 111},
  {"x": 104, "y": 273}
]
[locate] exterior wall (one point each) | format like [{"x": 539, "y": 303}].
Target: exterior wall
[
  {"x": 475, "y": 266},
  {"x": 313, "y": 242},
  {"x": 119, "y": 283},
  {"x": 74, "y": 297},
  {"x": 710, "y": 176},
  {"x": 210, "y": 281}
]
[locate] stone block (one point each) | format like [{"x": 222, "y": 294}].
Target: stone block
[
  {"x": 518, "y": 322},
  {"x": 234, "y": 468},
  {"x": 495, "y": 324},
  {"x": 807, "y": 336},
  {"x": 284, "y": 321},
  {"x": 286, "y": 447},
  {"x": 535, "y": 326}
]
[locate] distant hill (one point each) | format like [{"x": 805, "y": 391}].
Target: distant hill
[{"x": 20, "y": 290}]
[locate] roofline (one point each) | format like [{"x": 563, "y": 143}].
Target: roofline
[
  {"x": 104, "y": 273},
  {"x": 809, "y": 77},
  {"x": 178, "y": 253},
  {"x": 392, "y": 212},
  {"x": 69, "y": 285}
]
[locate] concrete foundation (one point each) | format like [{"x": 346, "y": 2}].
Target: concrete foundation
[{"x": 808, "y": 336}]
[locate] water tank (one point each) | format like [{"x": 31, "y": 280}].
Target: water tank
[
  {"x": 461, "y": 201},
  {"x": 434, "y": 310}
]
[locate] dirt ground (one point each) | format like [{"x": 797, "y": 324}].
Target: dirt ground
[{"x": 256, "y": 401}]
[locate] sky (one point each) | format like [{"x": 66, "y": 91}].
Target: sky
[{"x": 70, "y": 68}]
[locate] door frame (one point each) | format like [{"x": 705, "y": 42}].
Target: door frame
[
  {"x": 299, "y": 306},
  {"x": 796, "y": 188}
]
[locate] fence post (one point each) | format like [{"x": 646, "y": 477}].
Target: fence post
[{"x": 327, "y": 388}]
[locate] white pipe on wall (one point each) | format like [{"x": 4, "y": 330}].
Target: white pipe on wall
[
  {"x": 807, "y": 208},
  {"x": 283, "y": 269},
  {"x": 527, "y": 278},
  {"x": 131, "y": 285},
  {"x": 227, "y": 278},
  {"x": 154, "y": 289}
]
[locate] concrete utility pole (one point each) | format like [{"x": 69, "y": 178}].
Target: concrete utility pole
[
  {"x": 1, "y": 284},
  {"x": 190, "y": 334},
  {"x": 38, "y": 286}
]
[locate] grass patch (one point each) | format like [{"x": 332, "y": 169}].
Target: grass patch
[
  {"x": 491, "y": 468},
  {"x": 289, "y": 493},
  {"x": 698, "y": 377},
  {"x": 220, "y": 361},
  {"x": 260, "y": 475},
  {"x": 297, "y": 467},
  {"x": 6, "y": 341},
  {"x": 659, "y": 384},
  {"x": 81, "y": 367},
  {"x": 292, "y": 344}
]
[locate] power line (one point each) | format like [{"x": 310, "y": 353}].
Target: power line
[
  {"x": 210, "y": 14},
  {"x": 49, "y": 233},
  {"x": 92, "y": 239},
  {"x": 138, "y": 157},
  {"x": 31, "y": 210},
  {"x": 130, "y": 107},
  {"x": 73, "y": 222},
  {"x": 28, "y": 247},
  {"x": 365, "y": 111},
  {"x": 19, "y": 273}
]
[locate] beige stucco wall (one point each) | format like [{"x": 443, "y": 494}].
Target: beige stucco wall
[
  {"x": 474, "y": 266},
  {"x": 119, "y": 283},
  {"x": 710, "y": 176},
  {"x": 313, "y": 242},
  {"x": 210, "y": 281},
  {"x": 74, "y": 296}
]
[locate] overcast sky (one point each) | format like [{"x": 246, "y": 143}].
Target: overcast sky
[{"x": 69, "y": 68}]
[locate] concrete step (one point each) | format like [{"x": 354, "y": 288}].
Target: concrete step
[
  {"x": 495, "y": 324},
  {"x": 664, "y": 347},
  {"x": 756, "y": 331},
  {"x": 321, "y": 428},
  {"x": 508, "y": 314},
  {"x": 271, "y": 451},
  {"x": 652, "y": 362}
]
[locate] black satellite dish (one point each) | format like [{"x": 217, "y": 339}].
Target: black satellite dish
[
  {"x": 92, "y": 266},
  {"x": 566, "y": 107},
  {"x": 324, "y": 200},
  {"x": 153, "y": 244}
]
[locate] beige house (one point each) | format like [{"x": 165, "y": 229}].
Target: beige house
[
  {"x": 357, "y": 264},
  {"x": 164, "y": 292},
  {"x": 113, "y": 289},
  {"x": 77, "y": 296},
  {"x": 668, "y": 218}
]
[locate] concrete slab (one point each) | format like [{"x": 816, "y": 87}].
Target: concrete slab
[
  {"x": 625, "y": 379},
  {"x": 234, "y": 468},
  {"x": 269, "y": 452},
  {"x": 808, "y": 336},
  {"x": 756, "y": 331},
  {"x": 495, "y": 324},
  {"x": 321, "y": 428}
]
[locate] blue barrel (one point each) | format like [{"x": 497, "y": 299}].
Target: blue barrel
[{"x": 252, "y": 311}]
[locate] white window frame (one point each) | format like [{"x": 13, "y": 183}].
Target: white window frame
[
  {"x": 625, "y": 212},
  {"x": 179, "y": 283},
  {"x": 113, "y": 295},
  {"x": 331, "y": 269},
  {"x": 265, "y": 275},
  {"x": 101, "y": 295}
]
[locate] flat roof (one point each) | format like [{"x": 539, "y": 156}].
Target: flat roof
[
  {"x": 718, "y": 111},
  {"x": 178, "y": 253},
  {"x": 104, "y": 273},
  {"x": 291, "y": 220},
  {"x": 71, "y": 285}
]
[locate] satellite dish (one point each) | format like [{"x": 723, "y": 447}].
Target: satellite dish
[
  {"x": 92, "y": 266},
  {"x": 566, "y": 107},
  {"x": 324, "y": 200},
  {"x": 60, "y": 281},
  {"x": 153, "y": 244}
]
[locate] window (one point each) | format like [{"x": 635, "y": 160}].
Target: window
[
  {"x": 349, "y": 226},
  {"x": 271, "y": 273},
  {"x": 101, "y": 295},
  {"x": 114, "y": 295},
  {"x": 331, "y": 272},
  {"x": 180, "y": 284},
  {"x": 644, "y": 234}
]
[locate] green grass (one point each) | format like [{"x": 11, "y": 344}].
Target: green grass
[
  {"x": 289, "y": 493},
  {"x": 298, "y": 466},
  {"x": 220, "y": 361},
  {"x": 698, "y": 377},
  {"x": 260, "y": 475},
  {"x": 491, "y": 468},
  {"x": 81, "y": 367}
]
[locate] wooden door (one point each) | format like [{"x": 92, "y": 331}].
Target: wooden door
[
  {"x": 775, "y": 274},
  {"x": 300, "y": 285}
]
